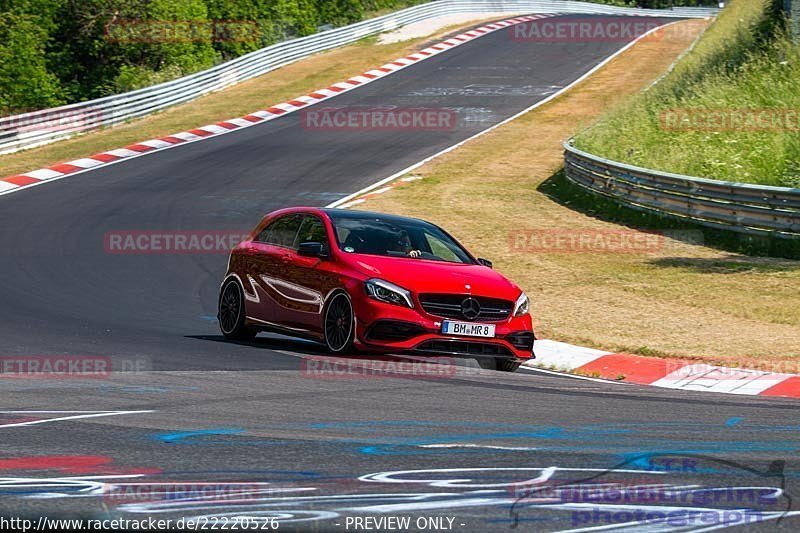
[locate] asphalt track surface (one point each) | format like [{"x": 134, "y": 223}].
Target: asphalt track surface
[{"x": 183, "y": 406}]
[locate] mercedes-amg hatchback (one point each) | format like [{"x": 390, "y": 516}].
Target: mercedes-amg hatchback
[{"x": 373, "y": 282}]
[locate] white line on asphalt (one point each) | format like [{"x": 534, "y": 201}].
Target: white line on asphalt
[
  {"x": 83, "y": 414},
  {"x": 468, "y": 445},
  {"x": 347, "y": 86},
  {"x": 406, "y": 170},
  {"x": 566, "y": 375}
]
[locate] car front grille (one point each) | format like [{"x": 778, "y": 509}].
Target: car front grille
[
  {"x": 450, "y": 306},
  {"x": 454, "y": 347}
]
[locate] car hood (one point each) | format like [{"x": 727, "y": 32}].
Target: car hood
[{"x": 422, "y": 276}]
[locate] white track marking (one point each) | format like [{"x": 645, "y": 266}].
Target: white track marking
[
  {"x": 573, "y": 376},
  {"x": 86, "y": 162},
  {"x": 77, "y": 415},
  {"x": 46, "y": 173},
  {"x": 190, "y": 138},
  {"x": 406, "y": 170},
  {"x": 152, "y": 143},
  {"x": 470, "y": 445}
]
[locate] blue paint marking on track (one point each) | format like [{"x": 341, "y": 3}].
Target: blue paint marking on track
[
  {"x": 568, "y": 439},
  {"x": 621, "y": 441},
  {"x": 656, "y": 462},
  {"x": 189, "y": 436}
]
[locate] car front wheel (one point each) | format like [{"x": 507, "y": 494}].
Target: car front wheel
[
  {"x": 339, "y": 324},
  {"x": 231, "y": 313}
]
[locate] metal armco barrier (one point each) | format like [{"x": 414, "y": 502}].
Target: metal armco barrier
[
  {"x": 40, "y": 127},
  {"x": 792, "y": 10},
  {"x": 740, "y": 207}
]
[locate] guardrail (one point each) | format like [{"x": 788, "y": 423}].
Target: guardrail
[
  {"x": 40, "y": 127},
  {"x": 792, "y": 10},
  {"x": 740, "y": 207}
]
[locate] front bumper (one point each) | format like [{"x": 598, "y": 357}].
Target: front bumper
[{"x": 388, "y": 328}]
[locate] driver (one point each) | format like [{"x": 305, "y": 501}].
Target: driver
[{"x": 406, "y": 247}]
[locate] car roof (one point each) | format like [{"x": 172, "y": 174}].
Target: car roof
[
  {"x": 363, "y": 215},
  {"x": 346, "y": 213}
]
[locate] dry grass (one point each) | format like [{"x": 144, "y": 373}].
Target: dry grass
[
  {"x": 680, "y": 300},
  {"x": 303, "y": 77}
]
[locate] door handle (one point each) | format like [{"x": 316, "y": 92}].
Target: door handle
[{"x": 286, "y": 259}]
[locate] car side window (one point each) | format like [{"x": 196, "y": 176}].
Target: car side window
[
  {"x": 282, "y": 231},
  {"x": 440, "y": 249},
  {"x": 311, "y": 230}
]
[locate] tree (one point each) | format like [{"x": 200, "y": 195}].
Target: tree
[{"x": 25, "y": 83}]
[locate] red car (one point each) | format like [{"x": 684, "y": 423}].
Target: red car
[{"x": 373, "y": 282}]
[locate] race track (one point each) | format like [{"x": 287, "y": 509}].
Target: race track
[{"x": 183, "y": 405}]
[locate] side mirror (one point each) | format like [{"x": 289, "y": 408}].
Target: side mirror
[
  {"x": 312, "y": 249},
  {"x": 485, "y": 262}
]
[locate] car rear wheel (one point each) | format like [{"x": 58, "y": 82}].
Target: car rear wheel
[
  {"x": 339, "y": 324},
  {"x": 231, "y": 313}
]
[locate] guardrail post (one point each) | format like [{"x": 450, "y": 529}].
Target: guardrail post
[{"x": 792, "y": 10}]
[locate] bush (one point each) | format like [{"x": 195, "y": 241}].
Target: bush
[
  {"x": 25, "y": 82},
  {"x": 56, "y": 51}
]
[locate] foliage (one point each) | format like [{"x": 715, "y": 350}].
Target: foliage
[
  {"x": 57, "y": 51},
  {"x": 744, "y": 64}
]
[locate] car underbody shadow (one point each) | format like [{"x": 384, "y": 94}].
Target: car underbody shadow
[{"x": 313, "y": 359}]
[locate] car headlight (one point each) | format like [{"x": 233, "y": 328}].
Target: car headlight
[
  {"x": 522, "y": 305},
  {"x": 388, "y": 292}
]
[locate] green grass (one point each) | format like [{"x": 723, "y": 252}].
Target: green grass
[{"x": 744, "y": 61}]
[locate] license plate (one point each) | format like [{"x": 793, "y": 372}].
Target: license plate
[{"x": 469, "y": 329}]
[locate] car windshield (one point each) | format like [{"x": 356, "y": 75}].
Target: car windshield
[{"x": 395, "y": 237}]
